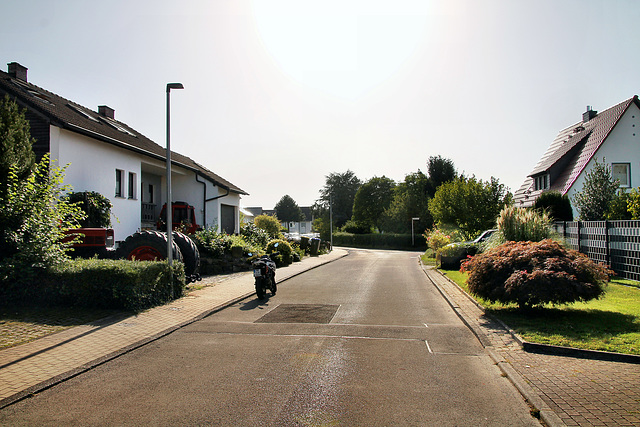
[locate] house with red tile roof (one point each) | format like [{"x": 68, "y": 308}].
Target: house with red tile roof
[
  {"x": 113, "y": 159},
  {"x": 611, "y": 136}
]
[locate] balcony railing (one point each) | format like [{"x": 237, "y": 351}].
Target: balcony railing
[{"x": 148, "y": 212}]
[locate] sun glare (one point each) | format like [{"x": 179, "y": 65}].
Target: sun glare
[{"x": 343, "y": 48}]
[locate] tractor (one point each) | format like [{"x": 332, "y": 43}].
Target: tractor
[{"x": 146, "y": 245}]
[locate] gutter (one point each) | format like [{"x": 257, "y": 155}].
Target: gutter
[{"x": 204, "y": 196}]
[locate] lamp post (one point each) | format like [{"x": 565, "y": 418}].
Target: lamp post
[
  {"x": 412, "y": 238},
  {"x": 169, "y": 197},
  {"x": 331, "y": 219}
]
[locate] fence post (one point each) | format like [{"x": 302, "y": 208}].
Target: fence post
[
  {"x": 579, "y": 238},
  {"x": 606, "y": 243}
]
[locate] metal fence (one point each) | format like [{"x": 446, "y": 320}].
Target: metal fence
[{"x": 614, "y": 243}]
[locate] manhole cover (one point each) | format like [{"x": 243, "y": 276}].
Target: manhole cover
[{"x": 300, "y": 313}]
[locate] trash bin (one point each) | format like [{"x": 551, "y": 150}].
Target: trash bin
[
  {"x": 315, "y": 246},
  {"x": 304, "y": 243}
]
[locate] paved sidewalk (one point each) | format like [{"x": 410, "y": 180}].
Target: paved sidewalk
[
  {"x": 34, "y": 366},
  {"x": 566, "y": 390}
]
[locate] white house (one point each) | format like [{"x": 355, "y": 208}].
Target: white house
[
  {"x": 612, "y": 137},
  {"x": 113, "y": 159}
]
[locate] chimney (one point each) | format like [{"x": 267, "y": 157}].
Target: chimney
[
  {"x": 17, "y": 71},
  {"x": 589, "y": 114},
  {"x": 105, "y": 111}
]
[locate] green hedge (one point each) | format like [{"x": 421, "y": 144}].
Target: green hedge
[
  {"x": 100, "y": 283},
  {"x": 379, "y": 241}
]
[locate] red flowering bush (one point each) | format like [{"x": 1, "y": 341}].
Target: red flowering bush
[{"x": 535, "y": 273}]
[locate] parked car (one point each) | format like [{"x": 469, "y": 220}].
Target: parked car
[{"x": 452, "y": 254}]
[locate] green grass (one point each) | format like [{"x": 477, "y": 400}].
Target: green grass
[{"x": 611, "y": 323}]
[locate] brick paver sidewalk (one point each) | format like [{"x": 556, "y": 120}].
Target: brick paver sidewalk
[
  {"x": 567, "y": 390},
  {"x": 33, "y": 366}
]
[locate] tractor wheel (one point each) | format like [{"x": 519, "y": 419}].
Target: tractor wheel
[
  {"x": 190, "y": 253},
  {"x": 147, "y": 246}
]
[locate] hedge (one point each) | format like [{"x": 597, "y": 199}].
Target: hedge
[
  {"x": 100, "y": 283},
  {"x": 379, "y": 241}
]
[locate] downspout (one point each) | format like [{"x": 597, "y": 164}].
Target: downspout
[{"x": 205, "y": 200}]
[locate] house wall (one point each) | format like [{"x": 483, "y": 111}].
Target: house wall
[
  {"x": 92, "y": 167},
  {"x": 621, "y": 146}
]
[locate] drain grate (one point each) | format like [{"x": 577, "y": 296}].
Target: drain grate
[{"x": 300, "y": 313}]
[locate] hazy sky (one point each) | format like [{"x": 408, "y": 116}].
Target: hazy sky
[{"x": 278, "y": 94}]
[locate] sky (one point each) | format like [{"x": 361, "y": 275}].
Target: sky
[{"x": 278, "y": 94}]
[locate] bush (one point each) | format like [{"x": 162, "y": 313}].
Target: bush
[
  {"x": 522, "y": 224},
  {"x": 535, "y": 273},
  {"x": 33, "y": 216},
  {"x": 216, "y": 245},
  {"x": 96, "y": 207},
  {"x": 436, "y": 239},
  {"x": 377, "y": 241},
  {"x": 254, "y": 235},
  {"x": 555, "y": 204},
  {"x": 122, "y": 284},
  {"x": 270, "y": 224},
  {"x": 284, "y": 248},
  {"x": 354, "y": 227}
]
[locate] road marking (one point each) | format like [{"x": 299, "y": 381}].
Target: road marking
[{"x": 428, "y": 348}]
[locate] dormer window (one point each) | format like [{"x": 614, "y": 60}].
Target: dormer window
[{"x": 541, "y": 182}]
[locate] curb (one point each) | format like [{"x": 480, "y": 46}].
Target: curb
[
  {"x": 545, "y": 413},
  {"x": 29, "y": 392},
  {"x": 555, "y": 350}
]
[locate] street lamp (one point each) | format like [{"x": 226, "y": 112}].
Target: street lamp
[
  {"x": 169, "y": 197},
  {"x": 412, "y": 239}
]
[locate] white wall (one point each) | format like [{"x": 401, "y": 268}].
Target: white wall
[
  {"x": 622, "y": 146},
  {"x": 92, "y": 167}
]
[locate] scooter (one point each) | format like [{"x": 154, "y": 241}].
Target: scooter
[{"x": 264, "y": 270}]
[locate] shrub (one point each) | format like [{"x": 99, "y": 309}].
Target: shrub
[
  {"x": 33, "y": 216},
  {"x": 216, "y": 245},
  {"x": 270, "y": 224},
  {"x": 122, "y": 284},
  {"x": 436, "y": 239},
  {"x": 521, "y": 224},
  {"x": 285, "y": 250},
  {"x": 355, "y": 227},
  {"x": 557, "y": 205},
  {"x": 254, "y": 235},
  {"x": 96, "y": 207},
  {"x": 535, "y": 273}
]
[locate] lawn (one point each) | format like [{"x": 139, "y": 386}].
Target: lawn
[{"x": 611, "y": 323}]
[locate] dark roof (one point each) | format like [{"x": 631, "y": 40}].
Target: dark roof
[
  {"x": 573, "y": 148},
  {"x": 68, "y": 115}
]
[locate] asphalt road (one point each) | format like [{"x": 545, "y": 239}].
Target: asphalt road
[{"x": 366, "y": 340}]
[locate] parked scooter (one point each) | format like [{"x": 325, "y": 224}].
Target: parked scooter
[{"x": 264, "y": 270}]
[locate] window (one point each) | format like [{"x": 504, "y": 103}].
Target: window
[
  {"x": 622, "y": 172},
  {"x": 119, "y": 183},
  {"x": 132, "y": 185},
  {"x": 541, "y": 182}
]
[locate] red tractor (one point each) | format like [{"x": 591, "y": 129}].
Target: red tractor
[{"x": 147, "y": 245}]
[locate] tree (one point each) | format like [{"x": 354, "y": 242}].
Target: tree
[
  {"x": 469, "y": 204},
  {"x": 340, "y": 189},
  {"x": 556, "y": 204},
  {"x": 598, "y": 191},
  {"x": 439, "y": 170},
  {"x": 16, "y": 143},
  {"x": 288, "y": 210},
  {"x": 371, "y": 200},
  {"x": 33, "y": 217},
  {"x": 268, "y": 223}
]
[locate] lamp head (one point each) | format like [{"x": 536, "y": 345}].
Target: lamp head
[{"x": 174, "y": 86}]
